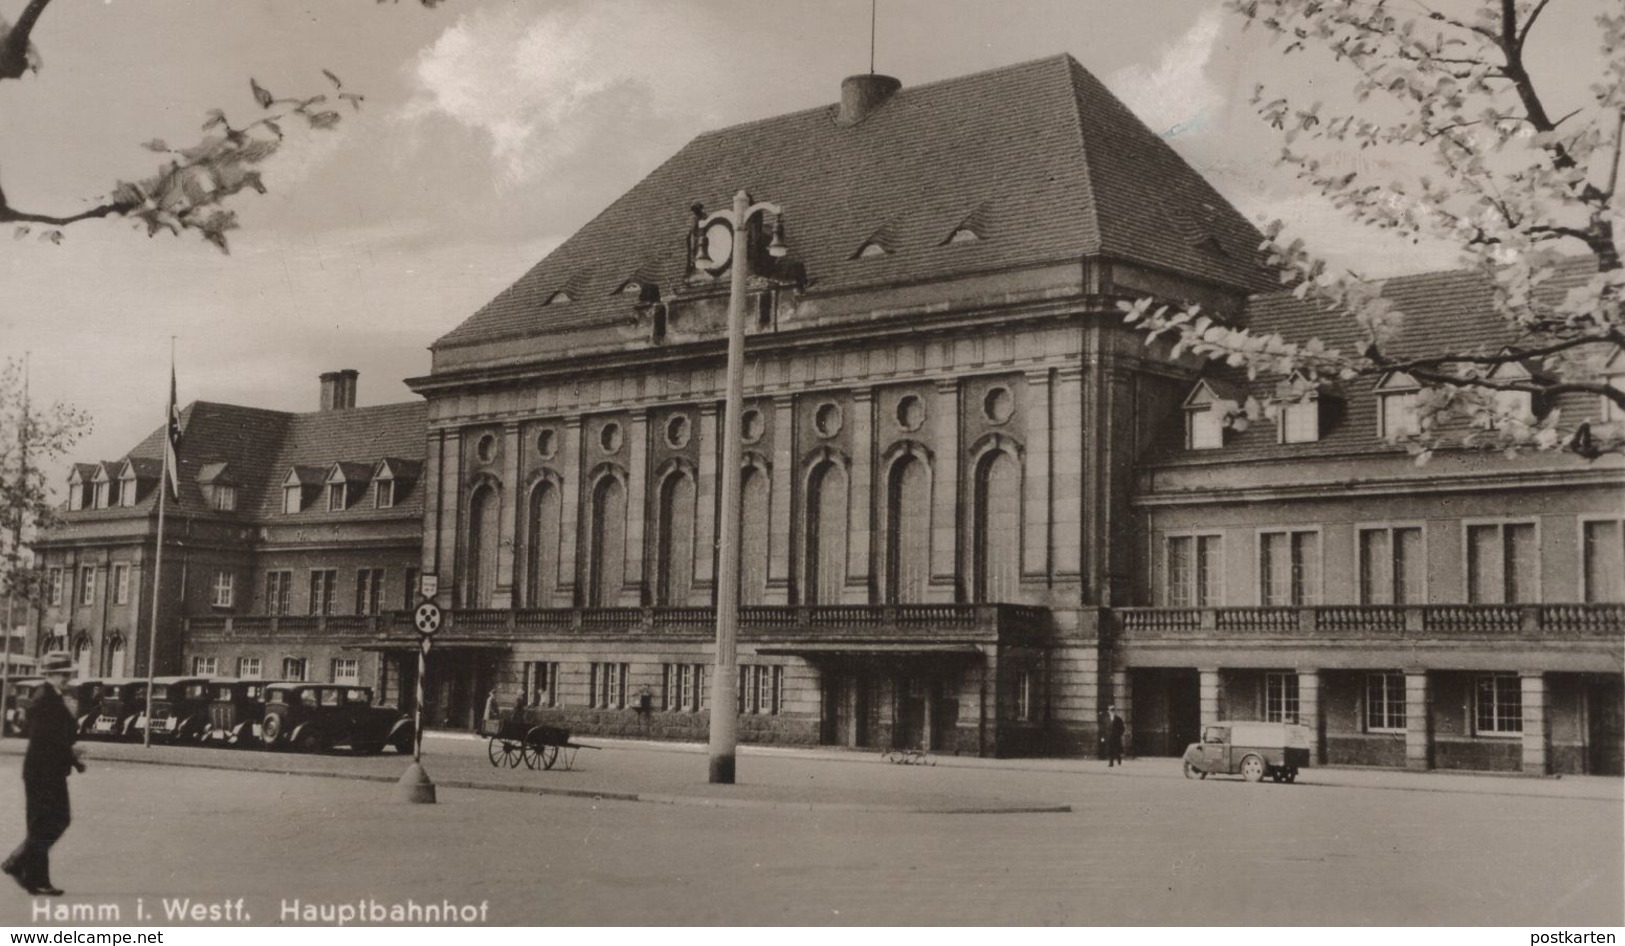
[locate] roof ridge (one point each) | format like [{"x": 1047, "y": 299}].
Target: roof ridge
[{"x": 1091, "y": 207}]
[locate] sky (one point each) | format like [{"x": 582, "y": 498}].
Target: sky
[{"x": 490, "y": 131}]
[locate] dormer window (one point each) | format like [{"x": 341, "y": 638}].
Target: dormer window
[
  {"x": 963, "y": 235},
  {"x": 1397, "y": 416},
  {"x": 224, "y": 497},
  {"x": 1298, "y": 407},
  {"x": 335, "y": 497},
  {"x": 127, "y": 488},
  {"x": 871, "y": 250},
  {"x": 1207, "y": 416},
  {"x": 292, "y": 499},
  {"x": 294, "y": 486},
  {"x": 383, "y": 496},
  {"x": 106, "y": 494},
  {"x": 1515, "y": 406},
  {"x": 81, "y": 490},
  {"x": 558, "y": 297}
]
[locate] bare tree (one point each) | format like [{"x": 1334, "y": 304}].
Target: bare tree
[
  {"x": 1521, "y": 190},
  {"x": 194, "y": 183},
  {"x": 33, "y": 439}
]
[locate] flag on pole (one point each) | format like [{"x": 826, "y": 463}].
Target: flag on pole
[{"x": 172, "y": 440}]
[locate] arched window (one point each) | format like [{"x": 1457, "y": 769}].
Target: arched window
[
  {"x": 541, "y": 545},
  {"x": 908, "y": 530},
  {"x": 606, "y": 548},
  {"x": 753, "y": 532},
  {"x": 826, "y": 534},
  {"x": 997, "y": 537},
  {"x": 675, "y": 543},
  {"x": 483, "y": 509},
  {"x": 83, "y": 659},
  {"x": 115, "y": 658}
]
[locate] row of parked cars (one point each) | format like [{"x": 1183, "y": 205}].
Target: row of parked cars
[{"x": 310, "y": 717}]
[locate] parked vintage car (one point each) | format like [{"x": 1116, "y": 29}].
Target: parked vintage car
[
  {"x": 123, "y": 701},
  {"x": 1252, "y": 749},
  {"x": 18, "y": 695},
  {"x": 312, "y": 717},
  {"x": 84, "y": 698},
  {"x": 236, "y": 709},
  {"x": 180, "y": 709}
]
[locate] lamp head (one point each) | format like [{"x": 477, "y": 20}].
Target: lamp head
[{"x": 776, "y": 247}]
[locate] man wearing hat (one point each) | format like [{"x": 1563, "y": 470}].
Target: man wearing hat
[
  {"x": 51, "y": 731},
  {"x": 1114, "y": 737}
]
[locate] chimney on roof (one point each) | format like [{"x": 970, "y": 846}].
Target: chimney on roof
[
  {"x": 338, "y": 389},
  {"x": 862, "y": 95}
]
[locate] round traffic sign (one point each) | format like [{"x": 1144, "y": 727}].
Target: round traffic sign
[{"x": 427, "y": 618}]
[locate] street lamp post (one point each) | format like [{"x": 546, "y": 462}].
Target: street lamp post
[{"x": 725, "y": 688}]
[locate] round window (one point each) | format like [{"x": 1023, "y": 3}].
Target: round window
[
  {"x": 547, "y": 443},
  {"x": 677, "y": 431},
  {"x": 610, "y": 437},
  {"x": 827, "y": 419},
  {"x": 751, "y": 426},
  {"x": 910, "y": 412},
  {"x": 486, "y": 448},
  {"x": 998, "y": 405}
]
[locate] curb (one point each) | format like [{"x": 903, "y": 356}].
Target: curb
[{"x": 694, "y": 801}]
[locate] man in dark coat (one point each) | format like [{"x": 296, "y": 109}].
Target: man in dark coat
[
  {"x": 1114, "y": 737},
  {"x": 51, "y": 731}
]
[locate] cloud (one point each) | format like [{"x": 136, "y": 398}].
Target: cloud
[
  {"x": 543, "y": 86},
  {"x": 1175, "y": 96}
]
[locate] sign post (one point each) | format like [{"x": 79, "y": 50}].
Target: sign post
[{"x": 415, "y": 786}]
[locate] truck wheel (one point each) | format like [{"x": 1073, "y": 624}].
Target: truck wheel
[
  {"x": 1291, "y": 776},
  {"x": 1190, "y": 771},
  {"x": 1252, "y": 768},
  {"x": 309, "y": 742},
  {"x": 270, "y": 731}
]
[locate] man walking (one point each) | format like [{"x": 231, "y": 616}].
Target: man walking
[
  {"x": 51, "y": 732},
  {"x": 1114, "y": 737}
]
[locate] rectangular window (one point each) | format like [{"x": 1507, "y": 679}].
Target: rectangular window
[
  {"x": 278, "y": 591},
  {"x": 1300, "y": 421},
  {"x": 544, "y": 683},
  {"x": 1289, "y": 568},
  {"x": 1604, "y": 555},
  {"x": 1503, "y": 563},
  {"x": 1398, "y": 418},
  {"x": 1281, "y": 697},
  {"x": 126, "y": 492},
  {"x": 1193, "y": 570},
  {"x": 384, "y": 497},
  {"x": 54, "y": 591},
  {"x": 335, "y": 497},
  {"x": 347, "y": 670},
  {"x": 292, "y": 499},
  {"x": 204, "y": 666},
  {"x": 761, "y": 688},
  {"x": 1204, "y": 428},
  {"x": 293, "y": 668},
  {"x": 1385, "y": 702},
  {"x": 87, "y": 584},
  {"x": 369, "y": 590},
  {"x": 248, "y": 668},
  {"x": 609, "y": 685},
  {"x": 411, "y": 582},
  {"x": 323, "y": 583},
  {"x": 121, "y": 583},
  {"x": 225, "y": 497},
  {"x": 1391, "y": 566},
  {"x": 222, "y": 593},
  {"x": 1499, "y": 703}
]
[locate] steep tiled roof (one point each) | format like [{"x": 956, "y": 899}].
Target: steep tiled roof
[
  {"x": 257, "y": 448},
  {"x": 1444, "y": 311},
  {"x": 1049, "y": 165}
]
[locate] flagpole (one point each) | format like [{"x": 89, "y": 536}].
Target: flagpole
[
  {"x": 16, "y": 543},
  {"x": 158, "y": 555}
]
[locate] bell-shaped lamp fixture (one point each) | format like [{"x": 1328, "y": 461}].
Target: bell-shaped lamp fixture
[
  {"x": 702, "y": 253},
  {"x": 776, "y": 247}
]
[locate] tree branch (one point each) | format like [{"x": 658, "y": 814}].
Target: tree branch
[{"x": 14, "y": 48}]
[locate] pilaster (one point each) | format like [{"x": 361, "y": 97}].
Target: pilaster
[
  {"x": 1208, "y": 695},
  {"x": 782, "y": 484},
  {"x": 1066, "y": 459},
  {"x": 945, "y": 493},
  {"x": 637, "y": 506},
  {"x": 860, "y": 500},
  {"x": 1035, "y": 505},
  {"x": 705, "y": 501},
  {"x": 1536, "y": 724},
  {"x": 570, "y": 510},
  {"x": 1418, "y": 720},
  {"x": 1309, "y": 713},
  {"x": 451, "y": 481},
  {"x": 508, "y": 524}
]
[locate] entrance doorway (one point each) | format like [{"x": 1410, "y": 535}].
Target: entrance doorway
[
  {"x": 847, "y": 700},
  {"x": 1605, "y": 722},
  {"x": 454, "y": 690},
  {"x": 1167, "y": 710}
]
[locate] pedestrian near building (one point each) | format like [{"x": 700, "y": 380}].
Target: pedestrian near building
[
  {"x": 51, "y": 754},
  {"x": 519, "y": 709},
  {"x": 1114, "y": 737},
  {"x": 491, "y": 711}
]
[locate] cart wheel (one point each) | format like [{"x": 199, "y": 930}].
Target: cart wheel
[
  {"x": 530, "y": 756},
  {"x": 493, "y": 750},
  {"x": 549, "y": 754},
  {"x": 1252, "y": 768}
]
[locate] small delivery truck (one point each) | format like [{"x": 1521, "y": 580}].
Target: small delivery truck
[{"x": 1253, "y": 750}]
